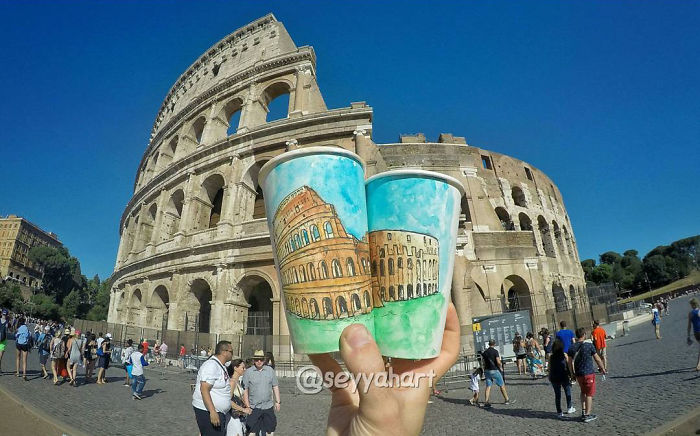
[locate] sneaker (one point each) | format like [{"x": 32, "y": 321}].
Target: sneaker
[
  {"x": 561, "y": 415},
  {"x": 509, "y": 402},
  {"x": 571, "y": 410},
  {"x": 487, "y": 405},
  {"x": 430, "y": 401},
  {"x": 589, "y": 418},
  {"x": 137, "y": 396}
]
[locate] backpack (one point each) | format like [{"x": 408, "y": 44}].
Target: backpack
[
  {"x": 3, "y": 331},
  {"x": 59, "y": 350},
  {"x": 45, "y": 344}
]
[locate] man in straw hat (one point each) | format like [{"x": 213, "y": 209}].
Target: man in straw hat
[{"x": 259, "y": 384}]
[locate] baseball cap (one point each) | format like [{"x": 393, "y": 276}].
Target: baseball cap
[
  {"x": 5, "y": 312},
  {"x": 47, "y": 328},
  {"x": 108, "y": 336}
]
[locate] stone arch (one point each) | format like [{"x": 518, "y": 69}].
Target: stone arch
[
  {"x": 231, "y": 113},
  {"x": 516, "y": 294},
  {"x": 167, "y": 151},
  {"x": 258, "y": 293},
  {"x": 197, "y": 129},
  {"x": 560, "y": 302},
  {"x": 341, "y": 306},
  {"x": 546, "y": 236},
  {"x": 253, "y": 201},
  {"x": 518, "y": 196},
  {"x": 525, "y": 221},
  {"x": 173, "y": 213},
  {"x": 328, "y": 308},
  {"x": 573, "y": 298},
  {"x": 504, "y": 218},
  {"x": 198, "y": 305},
  {"x": 159, "y": 303},
  {"x": 135, "y": 304},
  {"x": 569, "y": 245},
  {"x": 368, "y": 299},
  {"x": 356, "y": 305},
  {"x": 465, "y": 215},
  {"x": 314, "y": 313},
  {"x": 558, "y": 238},
  {"x": 212, "y": 192},
  {"x": 277, "y": 90}
]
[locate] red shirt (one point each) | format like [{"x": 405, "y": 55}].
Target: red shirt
[
  {"x": 145, "y": 347},
  {"x": 182, "y": 351},
  {"x": 598, "y": 335}
]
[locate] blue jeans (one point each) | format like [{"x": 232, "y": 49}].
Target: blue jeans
[
  {"x": 557, "y": 394},
  {"x": 137, "y": 384}
]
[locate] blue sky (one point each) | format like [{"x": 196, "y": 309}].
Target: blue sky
[
  {"x": 419, "y": 205},
  {"x": 338, "y": 180},
  {"x": 602, "y": 96}
]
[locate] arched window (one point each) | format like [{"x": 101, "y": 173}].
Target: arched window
[
  {"x": 391, "y": 266},
  {"x": 525, "y": 222},
  {"x": 366, "y": 266},
  {"x": 328, "y": 229},
  {"x": 312, "y": 271},
  {"x": 418, "y": 290},
  {"x": 341, "y": 306},
  {"x": 368, "y": 301},
  {"x": 518, "y": 196},
  {"x": 392, "y": 296},
  {"x": 425, "y": 270},
  {"x": 298, "y": 239},
  {"x": 327, "y": 308},
  {"x": 305, "y": 236},
  {"x": 504, "y": 218},
  {"x": 409, "y": 291},
  {"x": 296, "y": 277},
  {"x": 356, "y": 306},
  {"x": 351, "y": 267},
  {"x": 381, "y": 267},
  {"x": 401, "y": 296},
  {"x": 302, "y": 274},
  {"x": 382, "y": 293},
  {"x": 323, "y": 270},
  {"x": 313, "y": 306},
  {"x": 315, "y": 235},
  {"x": 374, "y": 268},
  {"x": 409, "y": 263},
  {"x": 381, "y": 252},
  {"x": 418, "y": 274},
  {"x": 337, "y": 271},
  {"x": 399, "y": 262}
]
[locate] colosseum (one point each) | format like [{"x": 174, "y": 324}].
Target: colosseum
[{"x": 194, "y": 241}]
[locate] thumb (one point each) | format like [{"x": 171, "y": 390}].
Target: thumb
[{"x": 363, "y": 359}]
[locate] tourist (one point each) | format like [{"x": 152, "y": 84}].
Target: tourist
[
  {"x": 493, "y": 368},
  {"x": 581, "y": 356},
  {"x": 126, "y": 354},
  {"x": 270, "y": 359},
  {"x": 4, "y": 333},
  {"x": 74, "y": 345},
  {"x": 474, "y": 386},
  {"x": 565, "y": 335},
  {"x": 519, "y": 351},
  {"x": 137, "y": 362},
  {"x": 145, "y": 344},
  {"x": 211, "y": 399},
  {"x": 90, "y": 356},
  {"x": 235, "y": 425},
  {"x": 99, "y": 340},
  {"x": 598, "y": 335},
  {"x": 534, "y": 351},
  {"x": 23, "y": 344},
  {"x": 694, "y": 322},
  {"x": 105, "y": 354},
  {"x": 259, "y": 384},
  {"x": 656, "y": 320},
  {"x": 156, "y": 352},
  {"x": 547, "y": 343},
  {"x": 163, "y": 353},
  {"x": 58, "y": 351},
  {"x": 181, "y": 355},
  {"x": 560, "y": 377},
  {"x": 44, "y": 350},
  {"x": 664, "y": 302}
]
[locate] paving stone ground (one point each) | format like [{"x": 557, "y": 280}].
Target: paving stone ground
[{"x": 651, "y": 382}]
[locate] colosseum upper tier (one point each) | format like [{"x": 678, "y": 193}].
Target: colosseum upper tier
[{"x": 195, "y": 251}]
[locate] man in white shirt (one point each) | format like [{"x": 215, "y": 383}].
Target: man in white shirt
[
  {"x": 139, "y": 380},
  {"x": 163, "y": 352},
  {"x": 211, "y": 399}
]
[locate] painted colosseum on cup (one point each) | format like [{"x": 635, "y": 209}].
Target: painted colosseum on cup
[
  {"x": 194, "y": 241},
  {"x": 324, "y": 270}
]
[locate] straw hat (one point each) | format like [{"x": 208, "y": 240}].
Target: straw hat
[{"x": 259, "y": 354}]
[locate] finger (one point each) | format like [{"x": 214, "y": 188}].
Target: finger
[
  {"x": 362, "y": 357},
  {"x": 450, "y": 343},
  {"x": 327, "y": 364}
]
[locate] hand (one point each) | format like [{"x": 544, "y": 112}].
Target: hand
[
  {"x": 247, "y": 410},
  {"x": 214, "y": 419},
  {"x": 277, "y": 407},
  {"x": 372, "y": 410}
]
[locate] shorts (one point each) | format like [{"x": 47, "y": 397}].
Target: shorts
[
  {"x": 205, "y": 427},
  {"x": 493, "y": 376},
  {"x": 22, "y": 347},
  {"x": 261, "y": 420},
  {"x": 2, "y": 345},
  {"x": 520, "y": 356},
  {"x": 602, "y": 352},
  {"x": 43, "y": 358},
  {"x": 103, "y": 362},
  {"x": 587, "y": 384}
]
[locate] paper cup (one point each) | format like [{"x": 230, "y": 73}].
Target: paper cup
[
  {"x": 412, "y": 218},
  {"x": 317, "y": 215}
]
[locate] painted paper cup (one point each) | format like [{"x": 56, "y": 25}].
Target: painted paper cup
[
  {"x": 412, "y": 219},
  {"x": 317, "y": 215}
]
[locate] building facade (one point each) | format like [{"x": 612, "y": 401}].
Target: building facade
[
  {"x": 194, "y": 243},
  {"x": 17, "y": 237}
]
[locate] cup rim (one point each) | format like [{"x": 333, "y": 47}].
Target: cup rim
[
  {"x": 331, "y": 149},
  {"x": 420, "y": 173}
]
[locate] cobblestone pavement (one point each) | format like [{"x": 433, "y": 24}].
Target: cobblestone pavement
[{"x": 651, "y": 383}]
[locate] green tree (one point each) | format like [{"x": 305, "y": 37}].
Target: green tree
[
  {"x": 587, "y": 266},
  {"x": 71, "y": 305},
  {"x": 610, "y": 258},
  {"x": 11, "y": 296},
  {"x": 601, "y": 273},
  {"x": 45, "y": 307},
  {"x": 61, "y": 270},
  {"x": 99, "y": 310}
]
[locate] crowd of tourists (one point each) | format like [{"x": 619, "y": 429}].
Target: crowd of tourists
[{"x": 568, "y": 358}]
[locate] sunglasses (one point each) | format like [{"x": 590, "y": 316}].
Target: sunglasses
[{"x": 257, "y": 359}]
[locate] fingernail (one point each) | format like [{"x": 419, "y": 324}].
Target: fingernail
[{"x": 358, "y": 336}]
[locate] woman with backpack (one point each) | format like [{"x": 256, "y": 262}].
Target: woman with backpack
[
  {"x": 90, "y": 356},
  {"x": 58, "y": 351},
  {"x": 534, "y": 351},
  {"x": 560, "y": 378},
  {"x": 74, "y": 345},
  {"x": 105, "y": 354},
  {"x": 23, "y": 344},
  {"x": 44, "y": 350}
]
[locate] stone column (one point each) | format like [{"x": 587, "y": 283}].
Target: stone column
[
  {"x": 136, "y": 246},
  {"x": 162, "y": 201},
  {"x": 303, "y": 72},
  {"x": 226, "y": 222},
  {"x": 188, "y": 205},
  {"x": 247, "y": 110}
]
